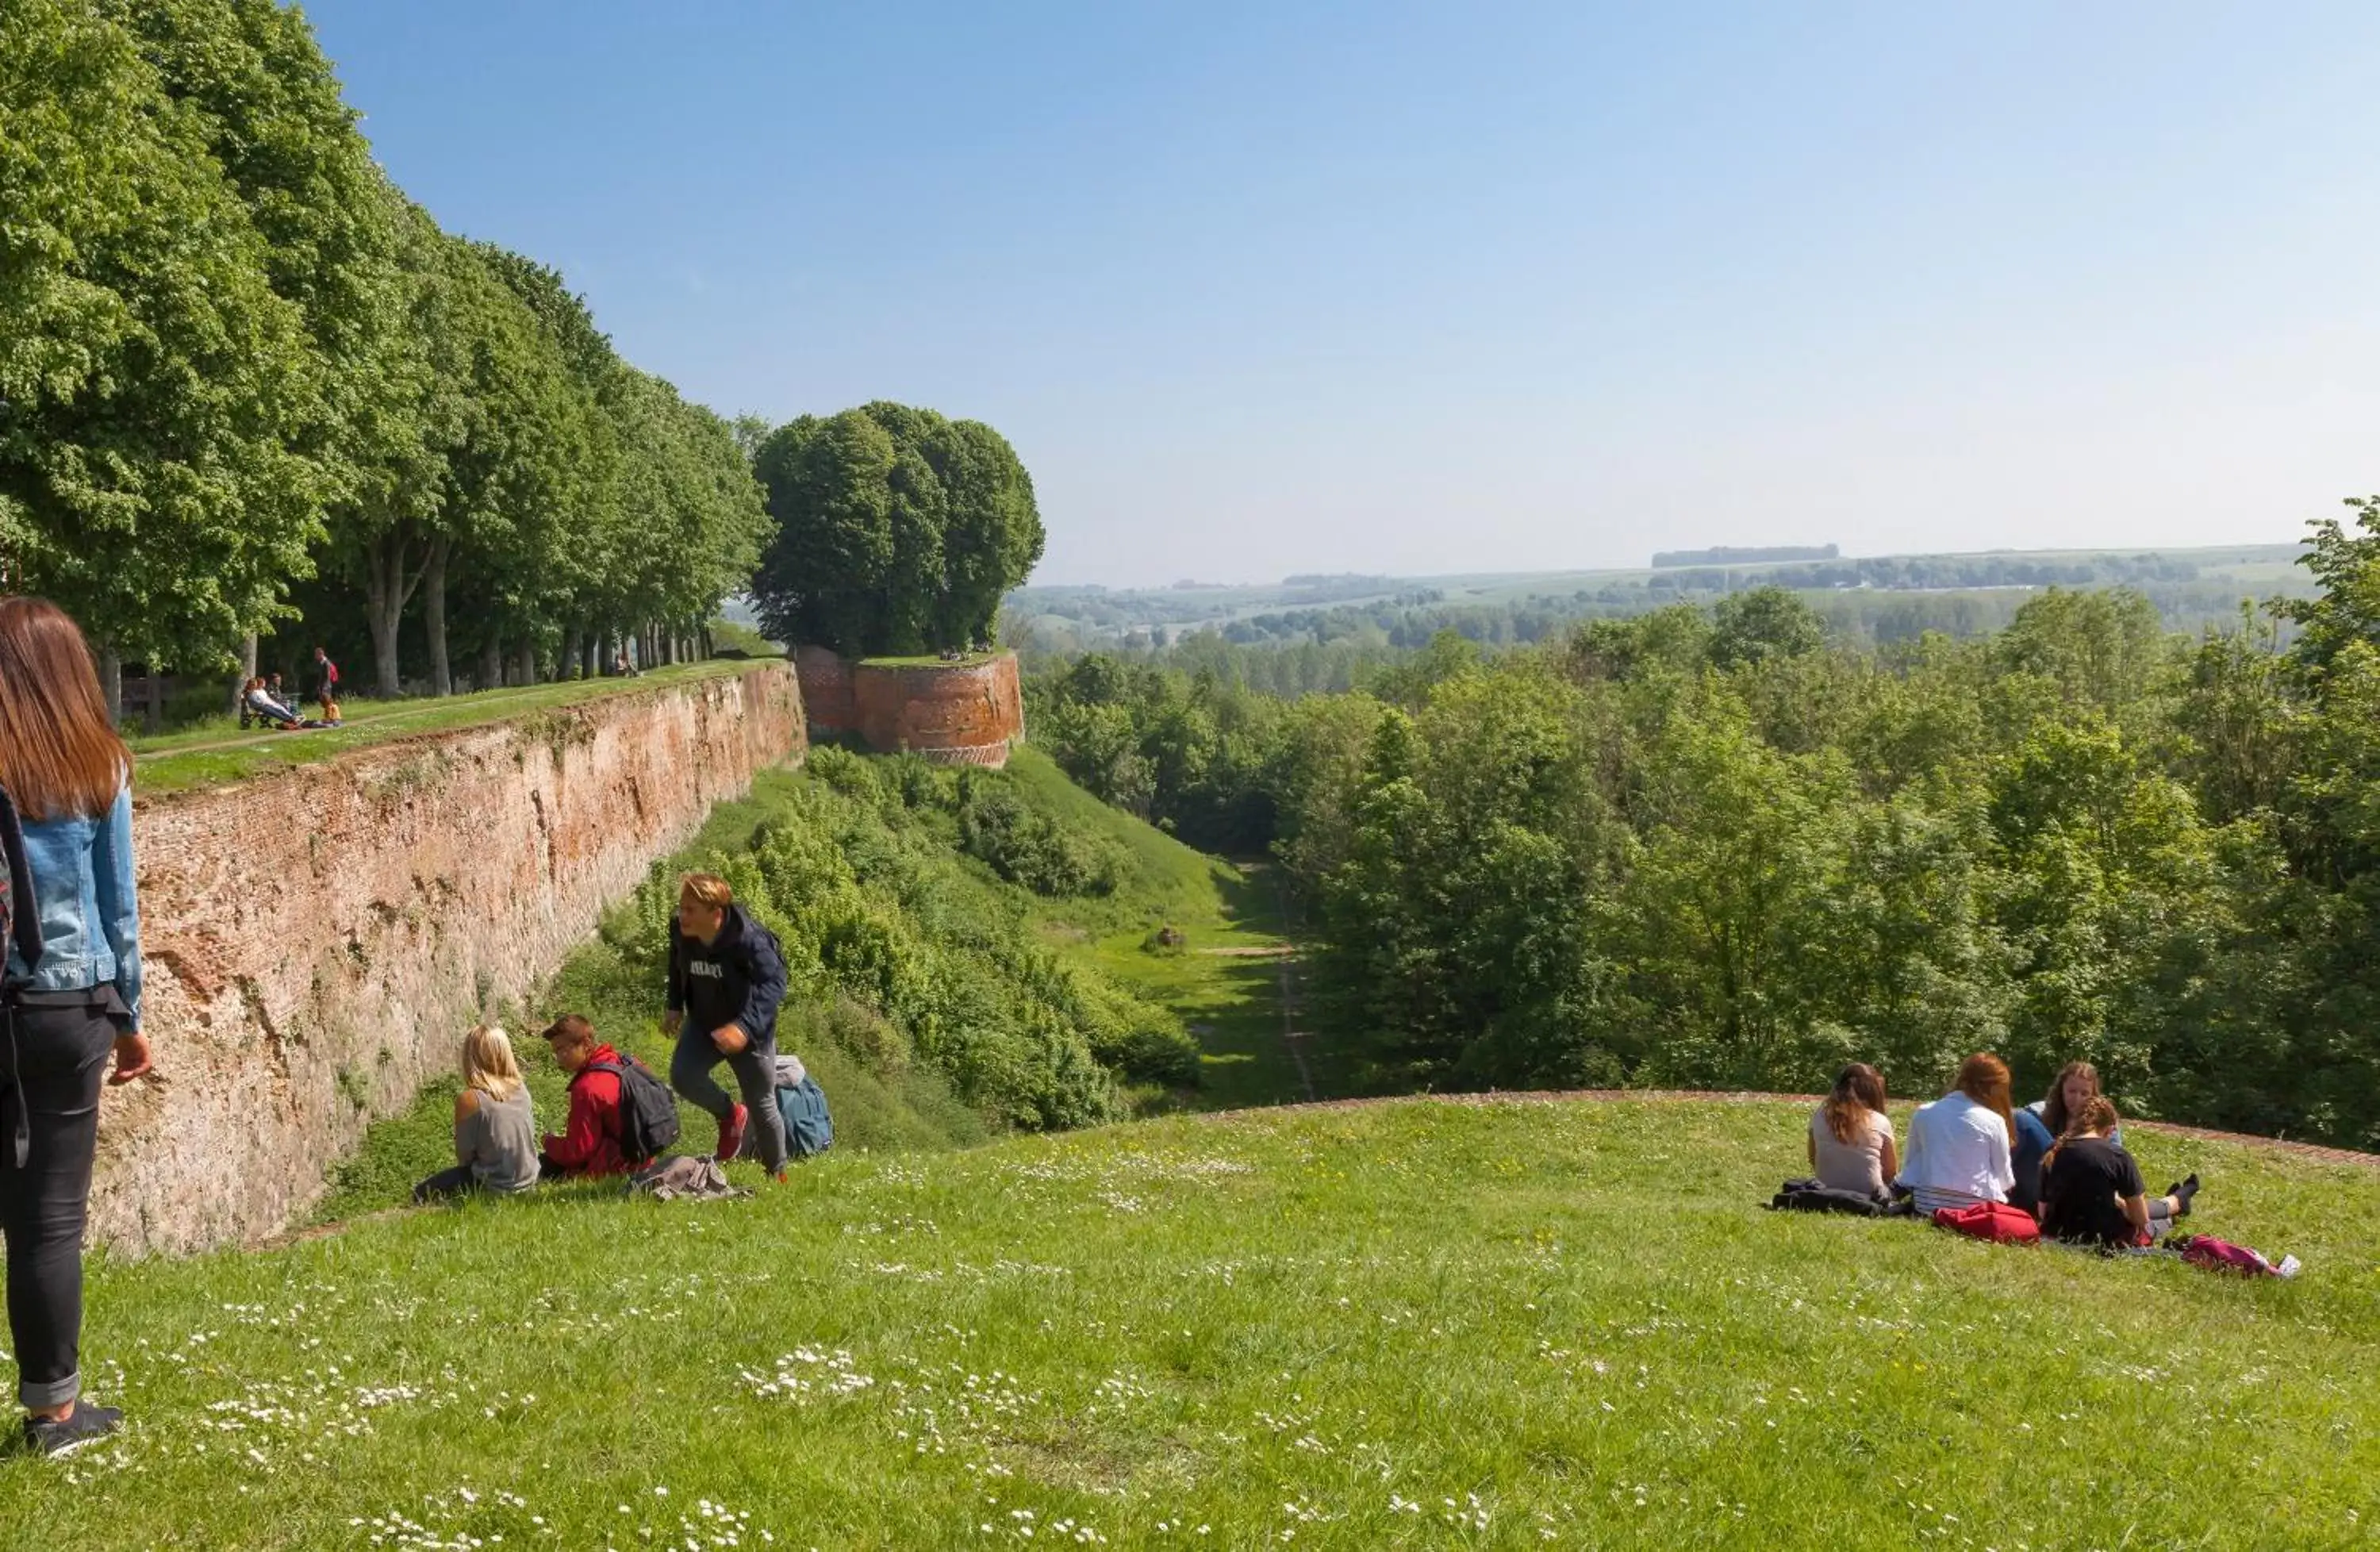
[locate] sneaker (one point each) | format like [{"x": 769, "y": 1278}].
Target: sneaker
[
  {"x": 87, "y": 1424},
  {"x": 731, "y": 1133}
]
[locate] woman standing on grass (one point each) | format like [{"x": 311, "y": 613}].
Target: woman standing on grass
[
  {"x": 1959, "y": 1145},
  {"x": 66, "y": 1004},
  {"x": 495, "y": 1131},
  {"x": 1851, "y": 1137}
]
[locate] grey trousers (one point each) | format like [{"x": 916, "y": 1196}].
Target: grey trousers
[{"x": 756, "y": 1075}]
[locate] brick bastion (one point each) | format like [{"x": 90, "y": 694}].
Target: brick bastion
[
  {"x": 317, "y": 939},
  {"x": 956, "y": 713}
]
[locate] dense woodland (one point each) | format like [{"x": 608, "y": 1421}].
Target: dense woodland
[
  {"x": 247, "y": 387},
  {"x": 1712, "y": 846}
]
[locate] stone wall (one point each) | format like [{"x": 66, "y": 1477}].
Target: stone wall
[
  {"x": 318, "y": 939},
  {"x": 956, "y": 713}
]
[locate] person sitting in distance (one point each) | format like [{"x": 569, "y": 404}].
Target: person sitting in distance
[
  {"x": 1959, "y": 1145},
  {"x": 495, "y": 1130},
  {"x": 1850, "y": 1141},
  {"x": 258, "y": 704},
  {"x": 2076, "y": 1082},
  {"x": 592, "y": 1141},
  {"x": 2092, "y": 1193}
]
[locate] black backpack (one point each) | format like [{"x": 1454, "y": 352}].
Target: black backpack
[{"x": 648, "y": 1109}]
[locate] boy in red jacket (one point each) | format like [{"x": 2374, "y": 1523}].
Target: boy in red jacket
[{"x": 590, "y": 1144}]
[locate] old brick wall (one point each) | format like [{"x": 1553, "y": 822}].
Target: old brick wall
[
  {"x": 318, "y": 939},
  {"x": 827, "y": 693},
  {"x": 960, "y": 713}
]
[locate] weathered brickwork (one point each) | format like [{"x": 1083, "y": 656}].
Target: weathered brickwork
[
  {"x": 319, "y": 940},
  {"x": 956, "y": 713}
]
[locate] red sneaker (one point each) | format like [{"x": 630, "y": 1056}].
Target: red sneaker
[{"x": 731, "y": 1133}]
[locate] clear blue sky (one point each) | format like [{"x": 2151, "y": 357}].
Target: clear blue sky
[{"x": 1419, "y": 288}]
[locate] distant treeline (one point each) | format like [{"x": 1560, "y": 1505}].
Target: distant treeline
[
  {"x": 1722, "y": 847},
  {"x": 1728, "y": 555}
]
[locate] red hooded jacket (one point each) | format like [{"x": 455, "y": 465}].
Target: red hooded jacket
[{"x": 590, "y": 1143}]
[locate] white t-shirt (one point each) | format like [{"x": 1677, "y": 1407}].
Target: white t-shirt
[
  {"x": 1857, "y": 1165},
  {"x": 1958, "y": 1154}
]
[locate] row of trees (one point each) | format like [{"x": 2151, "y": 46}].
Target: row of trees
[
  {"x": 1717, "y": 848},
  {"x": 234, "y": 358}
]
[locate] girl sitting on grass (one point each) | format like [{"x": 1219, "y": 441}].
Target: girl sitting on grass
[
  {"x": 495, "y": 1131},
  {"x": 1850, "y": 1138},
  {"x": 2091, "y": 1191},
  {"x": 1959, "y": 1145}
]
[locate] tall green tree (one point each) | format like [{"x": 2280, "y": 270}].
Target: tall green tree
[{"x": 156, "y": 393}]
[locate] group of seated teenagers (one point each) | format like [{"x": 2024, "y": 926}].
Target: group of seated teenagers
[
  {"x": 727, "y": 979},
  {"x": 262, "y": 700},
  {"x": 2061, "y": 1159}
]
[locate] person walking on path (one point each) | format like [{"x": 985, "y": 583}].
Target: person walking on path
[
  {"x": 326, "y": 684},
  {"x": 726, "y": 977},
  {"x": 69, "y": 995}
]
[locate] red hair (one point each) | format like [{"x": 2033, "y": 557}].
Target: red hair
[
  {"x": 58, "y": 754},
  {"x": 1984, "y": 1079}
]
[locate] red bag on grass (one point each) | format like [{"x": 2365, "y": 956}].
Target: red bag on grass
[{"x": 1996, "y": 1222}]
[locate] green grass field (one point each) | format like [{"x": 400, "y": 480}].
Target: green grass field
[
  {"x": 216, "y": 751},
  {"x": 1415, "y": 1324}
]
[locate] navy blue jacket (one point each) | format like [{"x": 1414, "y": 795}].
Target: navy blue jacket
[{"x": 738, "y": 978}]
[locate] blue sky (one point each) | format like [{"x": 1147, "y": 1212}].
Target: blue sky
[{"x": 1422, "y": 288}]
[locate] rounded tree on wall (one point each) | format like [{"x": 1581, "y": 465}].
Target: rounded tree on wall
[{"x": 898, "y": 530}]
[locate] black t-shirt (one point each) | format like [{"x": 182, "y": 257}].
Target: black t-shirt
[{"x": 2079, "y": 1195}]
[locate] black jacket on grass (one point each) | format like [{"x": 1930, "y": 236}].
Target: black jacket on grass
[{"x": 738, "y": 978}]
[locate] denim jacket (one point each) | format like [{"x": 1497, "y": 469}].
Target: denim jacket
[{"x": 82, "y": 890}]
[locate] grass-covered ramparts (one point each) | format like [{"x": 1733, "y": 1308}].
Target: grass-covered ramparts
[
  {"x": 937, "y": 1002},
  {"x": 1419, "y": 1324}
]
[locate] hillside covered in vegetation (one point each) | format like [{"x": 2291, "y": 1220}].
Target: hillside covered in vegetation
[{"x": 1722, "y": 847}]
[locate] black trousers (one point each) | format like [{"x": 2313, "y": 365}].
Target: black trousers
[
  {"x": 446, "y": 1183},
  {"x": 52, "y": 1063}
]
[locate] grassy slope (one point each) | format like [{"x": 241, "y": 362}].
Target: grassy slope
[
  {"x": 1231, "y": 998},
  {"x": 1415, "y": 1324},
  {"x": 217, "y": 751},
  {"x": 912, "y": 1112}
]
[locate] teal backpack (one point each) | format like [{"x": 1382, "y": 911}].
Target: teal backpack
[{"x": 809, "y": 1131}]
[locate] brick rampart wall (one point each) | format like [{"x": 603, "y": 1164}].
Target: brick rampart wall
[
  {"x": 827, "y": 693},
  {"x": 318, "y": 939},
  {"x": 961, "y": 713}
]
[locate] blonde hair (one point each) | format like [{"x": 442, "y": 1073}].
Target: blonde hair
[
  {"x": 487, "y": 1064},
  {"x": 707, "y": 889}
]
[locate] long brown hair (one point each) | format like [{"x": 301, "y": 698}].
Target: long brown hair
[
  {"x": 1984, "y": 1079},
  {"x": 1858, "y": 1088},
  {"x": 2096, "y": 1114},
  {"x": 2053, "y": 1108},
  {"x": 58, "y": 755}
]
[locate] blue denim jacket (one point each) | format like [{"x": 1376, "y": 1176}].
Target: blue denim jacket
[{"x": 82, "y": 889}]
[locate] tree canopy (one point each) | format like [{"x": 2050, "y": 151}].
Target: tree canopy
[
  {"x": 1714, "y": 849},
  {"x": 898, "y": 530},
  {"x": 246, "y": 386}
]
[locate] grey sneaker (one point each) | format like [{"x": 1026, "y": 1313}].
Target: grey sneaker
[{"x": 88, "y": 1425}]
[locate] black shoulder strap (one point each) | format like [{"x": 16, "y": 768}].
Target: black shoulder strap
[{"x": 23, "y": 918}]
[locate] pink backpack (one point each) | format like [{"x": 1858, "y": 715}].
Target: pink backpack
[{"x": 2222, "y": 1256}]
